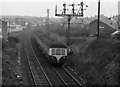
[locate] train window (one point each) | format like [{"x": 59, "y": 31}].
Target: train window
[
  {"x": 63, "y": 51},
  {"x": 58, "y": 51},
  {"x": 53, "y": 51}
]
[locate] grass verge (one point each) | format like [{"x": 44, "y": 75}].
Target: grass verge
[{"x": 10, "y": 65}]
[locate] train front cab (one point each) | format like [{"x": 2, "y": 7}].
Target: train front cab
[{"x": 58, "y": 55}]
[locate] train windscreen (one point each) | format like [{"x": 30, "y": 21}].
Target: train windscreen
[
  {"x": 53, "y": 51},
  {"x": 63, "y": 51},
  {"x": 58, "y": 51}
]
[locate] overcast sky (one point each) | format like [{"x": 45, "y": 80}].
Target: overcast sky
[{"x": 38, "y": 7}]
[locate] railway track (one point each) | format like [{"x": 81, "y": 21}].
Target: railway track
[
  {"x": 62, "y": 76},
  {"x": 68, "y": 68},
  {"x": 70, "y": 79},
  {"x": 74, "y": 75},
  {"x": 38, "y": 75},
  {"x": 31, "y": 72},
  {"x": 26, "y": 76}
]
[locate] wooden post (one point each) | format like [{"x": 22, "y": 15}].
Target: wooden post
[{"x": 98, "y": 18}]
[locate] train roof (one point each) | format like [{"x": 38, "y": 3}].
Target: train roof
[{"x": 58, "y": 46}]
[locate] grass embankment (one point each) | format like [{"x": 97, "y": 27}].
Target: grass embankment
[
  {"x": 10, "y": 65},
  {"x": 97, "y": 61}
]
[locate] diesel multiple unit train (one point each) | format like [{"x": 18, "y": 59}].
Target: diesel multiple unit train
[{"x": 56, "y": 53}]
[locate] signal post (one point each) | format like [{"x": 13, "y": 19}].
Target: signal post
[{"x": 74, "y": 13}]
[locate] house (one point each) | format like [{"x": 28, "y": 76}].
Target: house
[
  {"x": 105, "y": 29},
  {"x": 119, "y": 22},
  {"x": 15, "y": 28}
]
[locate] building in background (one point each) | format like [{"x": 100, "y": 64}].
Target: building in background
[
  {"x": 105, "y": 29},
  {"x": 15, "y": 28},
  {"x": 116, "y": 34}
]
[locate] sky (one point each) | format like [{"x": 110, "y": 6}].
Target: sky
[{"x": 38, "y": 7}]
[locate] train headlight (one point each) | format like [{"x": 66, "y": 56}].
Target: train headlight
[
  {"x": 52, "y": 56},
  {"x": 63, "y": 57}
]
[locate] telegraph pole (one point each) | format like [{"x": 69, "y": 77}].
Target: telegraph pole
[
  {"x": 74, "y": 13},
  {"x": 47, "y": 23},
  {"x": 68, "y": 36},
  {"x": 98, "y": 18}
]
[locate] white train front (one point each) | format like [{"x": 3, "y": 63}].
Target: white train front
[{"x": 57, "y": 53}]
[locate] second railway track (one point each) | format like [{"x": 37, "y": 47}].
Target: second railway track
[{"x": 38, "y": 75}]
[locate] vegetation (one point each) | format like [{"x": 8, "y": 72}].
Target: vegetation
[
  {"x": 75, "y": 30},
  {"x": 98, "y": 64},
  {"x": 10, "y": 66}
]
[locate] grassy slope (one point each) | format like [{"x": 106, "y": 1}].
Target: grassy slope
[
  {"x": 10, "y": 65},
  {"x": 98, "y": 63}
]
